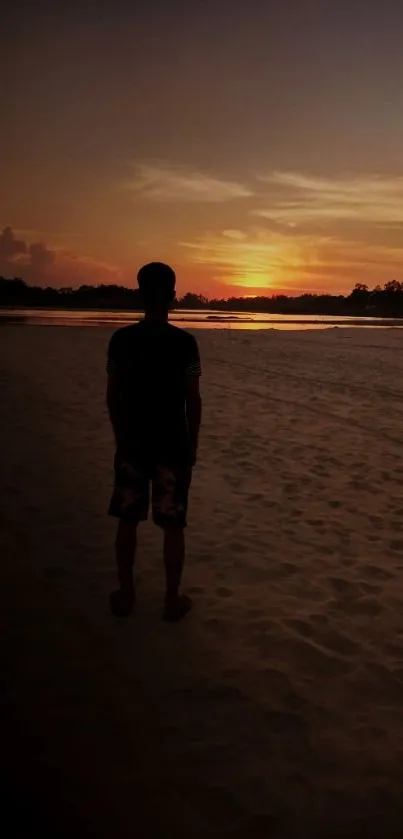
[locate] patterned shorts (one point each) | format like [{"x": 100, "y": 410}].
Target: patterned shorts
[{"x": 169, "y": 493}]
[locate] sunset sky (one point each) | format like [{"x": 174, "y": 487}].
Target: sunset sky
[{"x": 257, "y": 146}]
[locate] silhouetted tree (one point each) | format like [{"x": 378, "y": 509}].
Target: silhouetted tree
[{"x": 383, "y": 302}]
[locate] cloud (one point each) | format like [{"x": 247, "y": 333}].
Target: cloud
[
  {"x": 10, "y": 247},
  {"x": 271, "y": 260},
  {"x": 169, "y": 183},
  {"x": 73, "y": 270},
  {"x": 298, "y": 199},
  {"x": 258, "y": 258},
  {"x": 234, "y": 234},
  {"x": 40, "y": 265},
  {"x": 40, "y": 256},
  {"x": 17, "y": 255}
]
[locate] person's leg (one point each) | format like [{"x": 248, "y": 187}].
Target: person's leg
[
  {"x": 129, "y": 503},
  {"x": 125, "y": 546},
  {"x": 170, "y": 498},
  {"x": 122, "y": 600},
  {"x": 176, "y": 605},
  {"x": 174, "y": 558}
]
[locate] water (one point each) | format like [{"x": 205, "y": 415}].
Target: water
[{"x": 200, "y": 319}]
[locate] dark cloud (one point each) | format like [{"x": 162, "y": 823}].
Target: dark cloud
[
  {"x": 17, "y": 257},
  {"x": 40, "y": 265},
  {"x": 40, "y": 255},
  {"x": 10, "y": 247}
]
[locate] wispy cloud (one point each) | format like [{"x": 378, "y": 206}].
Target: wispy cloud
[
  {"x": 238, "y": 235},
  {"x": 258, "y": 258},
  {"x": 271, "y": 260},
  {"x": 30, "y": 233},
  {"x": 170, "y": 183},
  {"x": 77, "y": 269},
  {"x": 298, "y": 199}
]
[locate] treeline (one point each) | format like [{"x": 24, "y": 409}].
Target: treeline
[
  {"x": 386, "y": 301},
  {"x": 17, "y": 293}
]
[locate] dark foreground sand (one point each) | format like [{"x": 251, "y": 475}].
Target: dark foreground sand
[{"x": 277, "y": 709}]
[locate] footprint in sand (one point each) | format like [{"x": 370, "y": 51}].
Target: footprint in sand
[
  {"x": 263, "y": 625},
  {"x": 378, "y": 573},
  {"x": 257, "y": 496},
  {"x": 300, "y": 626},
  {"x": 223, "y": 591},
  {"x": 258, "y": 575},
  {"x": 238, "y": 547},
  {"x": 319, "y": 620},
  {"x": 289, "y": 567},
  {"x": 343, "y": 586},
  {"x": 377, "y": 521},
  {"x": 331, "y": 639},
  {"x": 396, "y": 651},
  {"x": 318, "y": 524},
  {"x": 327, "y": 550},
  {"x": 371, "y": 588},
  {"x": 338, "y": 643},
  {"x": 368, "y": 606},
  {"x": 396, "y": 545},
  {"x": 397, "y": 525}
]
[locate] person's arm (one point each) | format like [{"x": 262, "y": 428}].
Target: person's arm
[
  {"x": 112, "y": 387},
  {"x": 193, "y": 398}
]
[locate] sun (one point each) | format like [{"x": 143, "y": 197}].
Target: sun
[
  {"x": 258, "y": 263},
  {"x": 257, "y": 280}
]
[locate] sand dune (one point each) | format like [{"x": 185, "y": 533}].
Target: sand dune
[{"x": 277, "y": 710}]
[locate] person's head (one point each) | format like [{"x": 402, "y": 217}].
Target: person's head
[{"x": 156, "y": 282}]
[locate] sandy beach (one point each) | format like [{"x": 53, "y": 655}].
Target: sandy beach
[{"x": 276, "y": 710}]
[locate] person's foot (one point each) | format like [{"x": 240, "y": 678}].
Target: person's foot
[
  {"x": 177, "y": 608},
  {"x": 121, "y": 603}
]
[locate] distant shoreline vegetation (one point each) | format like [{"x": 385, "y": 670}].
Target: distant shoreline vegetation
[{"x": 385, "y": 301}]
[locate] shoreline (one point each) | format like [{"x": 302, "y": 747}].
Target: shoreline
[{"x": 198, "y": 320}]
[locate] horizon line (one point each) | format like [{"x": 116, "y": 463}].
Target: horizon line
[{"x": 74, "y": 289}]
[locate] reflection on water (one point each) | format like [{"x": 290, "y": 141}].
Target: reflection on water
[{"x": 190, "y": 319}]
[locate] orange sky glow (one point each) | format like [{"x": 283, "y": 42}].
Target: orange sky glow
[{"x": 272, "y": 167}]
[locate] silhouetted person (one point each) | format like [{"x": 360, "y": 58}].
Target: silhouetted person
[{"x": 154, "y": 405}]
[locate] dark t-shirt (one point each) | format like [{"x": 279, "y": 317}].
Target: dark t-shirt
[{"x": 151, "y": 362}]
